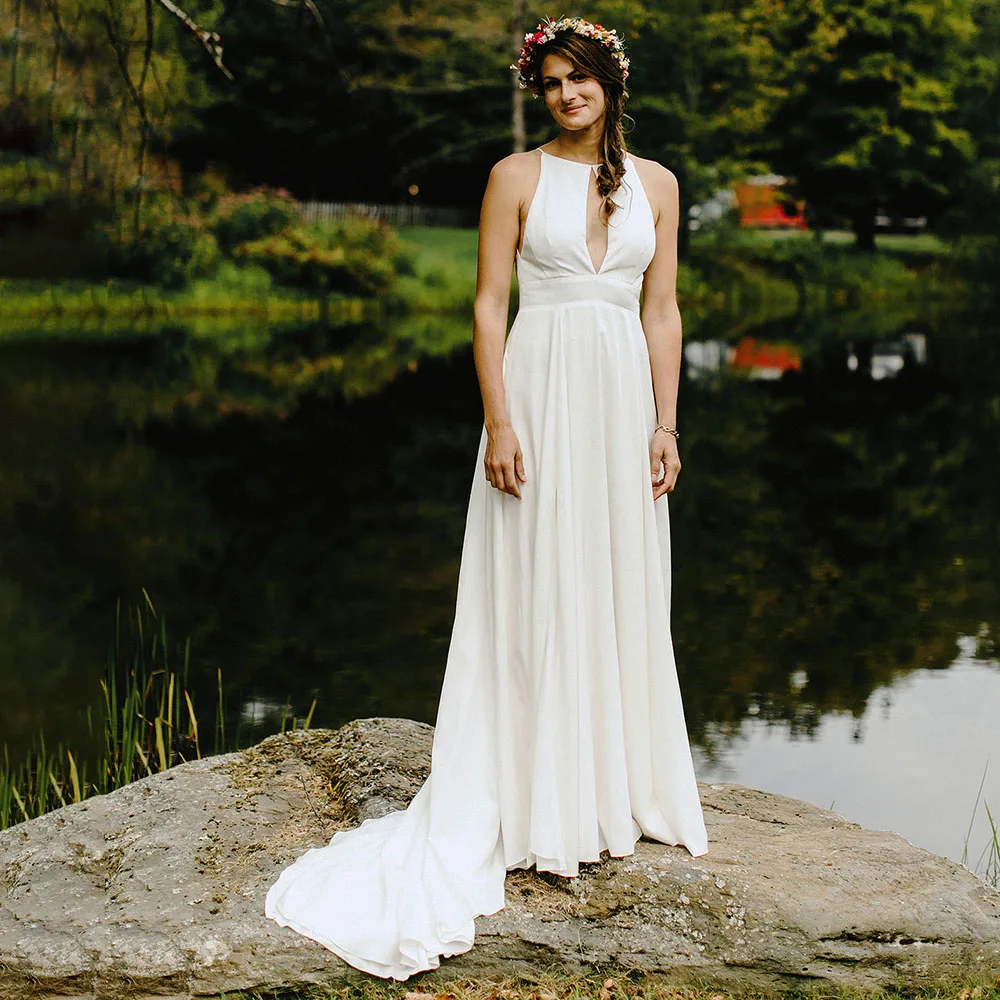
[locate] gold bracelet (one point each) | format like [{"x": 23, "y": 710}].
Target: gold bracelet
[{"x": 669, "y": 430}]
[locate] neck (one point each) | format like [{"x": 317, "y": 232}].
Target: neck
[{"x": 581, "y": 144}]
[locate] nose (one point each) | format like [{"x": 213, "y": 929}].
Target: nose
[{"x": 568, "y": 91}]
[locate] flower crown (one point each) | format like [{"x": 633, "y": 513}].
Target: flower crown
[{"x": 547, "y": 30}]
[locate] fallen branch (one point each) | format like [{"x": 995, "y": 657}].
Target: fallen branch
[{"x": 211, "y": 40}]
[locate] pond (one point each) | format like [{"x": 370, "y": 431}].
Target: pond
[{"x": 293, "y": 502}]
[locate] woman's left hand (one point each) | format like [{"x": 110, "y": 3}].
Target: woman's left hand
[{"x": 664, "y": 463}]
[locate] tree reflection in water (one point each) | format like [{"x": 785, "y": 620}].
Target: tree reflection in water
[{"x": 294, "y": 501}]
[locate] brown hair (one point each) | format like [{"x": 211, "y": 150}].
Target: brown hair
[{"x": 594, "y": 59}]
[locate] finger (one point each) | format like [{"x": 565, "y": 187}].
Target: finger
[
  {"x": 519, "y": 466},
  {"x": 510, "y": 481},
  {"x": 515, "y": 489}
]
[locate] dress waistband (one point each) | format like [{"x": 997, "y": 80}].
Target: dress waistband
[{"x": 570, "y": 288}]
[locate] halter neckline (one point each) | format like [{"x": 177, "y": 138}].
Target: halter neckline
[{"x": 567, "y": 160}]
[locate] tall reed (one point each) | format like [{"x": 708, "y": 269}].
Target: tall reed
[
  {"x": 149, "y": 724},
  {"x": 988, "y": 862}
]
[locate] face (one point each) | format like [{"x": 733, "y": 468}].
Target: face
[{"x": 574, "y": 99}]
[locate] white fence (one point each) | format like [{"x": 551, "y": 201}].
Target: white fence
[{"x": 394, "y": 215}]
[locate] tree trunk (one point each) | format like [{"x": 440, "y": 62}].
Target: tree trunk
[
  {"x": 863, "y": 224},
  {"x": 15, "y": 46},
  {"x": 683, "y": 229},
  {"x": 517, "y": 94}
]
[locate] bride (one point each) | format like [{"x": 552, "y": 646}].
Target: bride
[{"x": 560, "y": 732}]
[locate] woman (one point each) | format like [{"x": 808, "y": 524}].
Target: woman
[{"x": 560, "y": 731}]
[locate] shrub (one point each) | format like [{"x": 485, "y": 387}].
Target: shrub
[
  {"x": 354, "y": 257},
  {"x": 254, "y": 215},
  {"x": 171, "y": 248}
]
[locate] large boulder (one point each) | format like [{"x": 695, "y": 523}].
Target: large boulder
[{"x": 158, "y": 888}]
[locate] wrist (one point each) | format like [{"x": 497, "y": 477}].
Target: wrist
[
  {"x": 664, "y": 428},
  {"x": 495, "y": 424}
]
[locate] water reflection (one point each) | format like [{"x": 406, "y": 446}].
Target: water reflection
[
  {"x": 295, "y": 503},
  {"x": 912, "y": 762},
  {"x": 766, "y": 360}
]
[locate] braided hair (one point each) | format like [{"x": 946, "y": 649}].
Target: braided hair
[{"x": 593, "y": 59}]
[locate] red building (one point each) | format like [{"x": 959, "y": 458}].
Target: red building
[
  {"x": 766, "y": 360},
  {"x": 761, "y": 204}
]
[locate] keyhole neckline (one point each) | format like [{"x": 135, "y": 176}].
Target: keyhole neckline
[{"x": 579, "y": 163}]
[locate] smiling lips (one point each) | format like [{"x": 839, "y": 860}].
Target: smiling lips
[{"x": 570, "y": 111}]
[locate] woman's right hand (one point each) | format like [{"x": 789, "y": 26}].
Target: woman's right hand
[{"x": 504, "y": 462}]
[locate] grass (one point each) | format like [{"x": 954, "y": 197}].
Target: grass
[
  {"x": 149, "y": 724},
  {"x": 733, "y": 270},
  {"x": 444, "y": 275},
  {"x": 114, "y": 302},
  {"x": 918, "y": 243},
  {"x": 610, "y": 985},
  {"x": 988, "y": 861}
]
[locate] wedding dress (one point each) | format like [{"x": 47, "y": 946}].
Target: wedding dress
[{"x": 560, "y": 731}]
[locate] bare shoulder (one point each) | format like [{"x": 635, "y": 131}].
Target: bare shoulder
[
  {"x": 515, "y": 169},
  {"x": 659, "y": 182}
]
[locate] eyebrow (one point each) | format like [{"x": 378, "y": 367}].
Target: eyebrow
[{"x": 570, "y": 73}]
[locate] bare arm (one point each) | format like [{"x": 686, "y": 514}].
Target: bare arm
[
  {"x": 661, "y": 323},
  {"x": 498, "y": 233}
]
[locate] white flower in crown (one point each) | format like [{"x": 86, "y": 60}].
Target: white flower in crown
[{"x": 547, "y": 30}]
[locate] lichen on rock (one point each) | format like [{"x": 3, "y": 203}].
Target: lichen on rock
[{"x": 160, "y": 886}]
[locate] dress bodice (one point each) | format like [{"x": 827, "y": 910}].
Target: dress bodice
[{"x": 555, "y": 229}]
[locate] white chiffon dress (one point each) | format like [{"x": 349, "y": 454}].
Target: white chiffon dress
[{"x": 560, "y": 731}]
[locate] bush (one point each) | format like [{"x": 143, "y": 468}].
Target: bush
[
  {"x": 977, "y": 257},
  {"x": 28, "y": 181},
  {"x": 171, "y": 249},
  {"x": 354, "y": 257},
  {"x": 255, "y": 215},
  {"x": 247, "y": 281}
]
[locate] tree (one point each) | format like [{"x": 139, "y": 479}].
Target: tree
[
  {"x": 98, "y": 86},
  {"x": 400, "y": 93},
  {"x": 699, "y": 90},
  {"x": 978, "y": 211},
  {"x": 867, "y": 111}
]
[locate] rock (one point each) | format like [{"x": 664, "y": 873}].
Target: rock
[{"x": 158, "y": 888}]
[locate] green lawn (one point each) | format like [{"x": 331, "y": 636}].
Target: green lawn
[{"x": 450, "y": 247}]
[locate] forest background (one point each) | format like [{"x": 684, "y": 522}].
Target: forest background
[{"x": 123, "y": 122}]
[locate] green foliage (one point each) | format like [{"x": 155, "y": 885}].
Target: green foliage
[
  {"x": 99, "y": 88},
  {"x": 700, "y": 90},
  {"x": 977, "y": 257},
  {"x": 811, "y": 261},
  {"x": 353, "y": 257},
  {"x": 255, "y": 215},
  {"x": 866, "y": 114},
  {"x": 180, "y": 241},
  {"x": 250, "y": 281},
  {"x": 46, "y": 229},
  {"x": 148, "y": 725},
  {"x": 28, "y": 180},
  {"x": 171, "y": 248}
]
